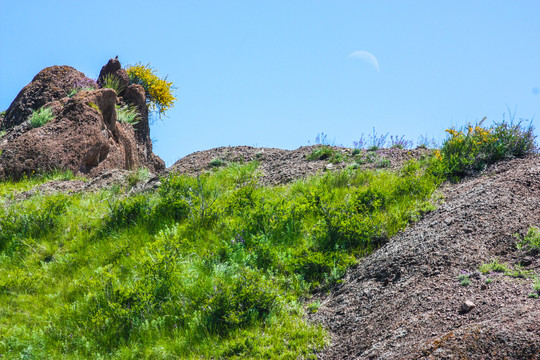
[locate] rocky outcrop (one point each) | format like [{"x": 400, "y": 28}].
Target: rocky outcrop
[
  {"x": 52, "y": 83},
  {"x": 84, "y": 136},
  {"x": 114, "y": 68}
]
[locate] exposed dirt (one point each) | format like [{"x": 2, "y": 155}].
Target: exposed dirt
[
  {"x": 282, "y": 166},
  {"x": 405, "y": 302}
]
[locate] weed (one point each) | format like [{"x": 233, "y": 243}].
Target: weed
[
  {"x": 376, "y": 141},
  {"x": 127, "y": 114},
  {"x": 384, "y": 163},
  {"x": 360, "y": 144},
  {"x": 426, "y": 142},
  {"x": 2, "y": 133},
  {"x": 314, "y": 306},
  {"x": 41, "y": 117},
  {"x": 94, "y": 106},
  {"x": 111, "y": 81},
  {"x": 489, "y": 280},
  {"x": 217, "y": 162},
  {"x": 536, "y": 285},
  {"x": 400, "y": 142},
  {"x": 140, "y": 175},
  {"x": 493, "y": 266},
  {"x": 82, "y": 85},
  {"x": 531, "y": 241},
  {"x": 326, "y": 152},
  {"x": 464, "y": 278}
]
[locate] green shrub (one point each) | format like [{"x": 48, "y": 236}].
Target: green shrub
[
  {"x": 41, "y": 117},
  {"x": 217, "y": 162},
  {"x": 237, "y": 301},
  {"x": 464, "y": 279},
  {"x": 137, "y": 176},
  {"x": 127, "y": 114},
  {"x": 326, "y": 152},
  {"x": 531, "y": 241},
  {"x": 471, "y": 149}
]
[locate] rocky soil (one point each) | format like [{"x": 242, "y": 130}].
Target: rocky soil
[
  {"x": 282, "y": 166},
  {"x": 405, "y": 302}
]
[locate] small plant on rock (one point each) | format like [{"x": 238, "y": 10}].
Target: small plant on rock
[
  {"x": 82, "y": 85},
  {"x": 127, "y": 114},
  {"x": 41, "y": 116},
  {"x": 111, "y": 81}
]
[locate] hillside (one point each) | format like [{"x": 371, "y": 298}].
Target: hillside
[
  {"x": 405, "y": 300},
  {"x": 257, "y": 253}
]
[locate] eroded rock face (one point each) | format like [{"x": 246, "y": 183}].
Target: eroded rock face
[
  {"x": 52, "y": 83},
  {"x": 84, "y": 137}
]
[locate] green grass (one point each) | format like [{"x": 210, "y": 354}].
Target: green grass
[
  {"x": 127, "y": 114},
  {"x": 41, "y": 116},
  {"x": 210, "y": 266},
  {"x": 111, "y": 81}
]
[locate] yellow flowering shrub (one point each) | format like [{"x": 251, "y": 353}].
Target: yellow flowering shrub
[
  {"x": 159, "y": 92},
  {"x": 475, "y": 146}
]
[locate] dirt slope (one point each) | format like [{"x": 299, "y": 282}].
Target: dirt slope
[
  {"x": 280, "y": 166},
  {"x": 404, "y": 301}
]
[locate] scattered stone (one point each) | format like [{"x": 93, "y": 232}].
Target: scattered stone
[
  {"x": 449, "y": 220},
  {"x": 467, "y": 306}
]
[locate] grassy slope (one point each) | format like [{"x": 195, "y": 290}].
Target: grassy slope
[{"x": 215, "y": 266}]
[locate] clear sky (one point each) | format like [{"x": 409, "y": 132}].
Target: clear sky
[{"x": 276, "y": 73}]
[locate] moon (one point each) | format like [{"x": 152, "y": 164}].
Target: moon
[{"x": 366, "y": 56}]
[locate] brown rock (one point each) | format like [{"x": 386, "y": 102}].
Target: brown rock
[
  {"x": 467, "y": 306},
  {"x": 113, "y": 67},
  {"x": 84, "y": 137},
  {"x": 50, "y": 84}
]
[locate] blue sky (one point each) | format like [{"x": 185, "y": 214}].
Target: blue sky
[{"x": 276, "y": 73}]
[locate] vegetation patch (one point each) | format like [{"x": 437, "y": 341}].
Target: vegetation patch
[{"x": 41, "y": 116}]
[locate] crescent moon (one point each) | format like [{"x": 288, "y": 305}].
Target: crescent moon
[{"x": 366, "y": 56}]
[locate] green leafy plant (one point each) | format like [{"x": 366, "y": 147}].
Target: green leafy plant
[
  {"x": 536, "y": 286},
  {"x": 314, "y": 306},
  {"x": 476, "y": 146},
  {"x": 217, "y": 162},
  {"x": 138, "y": 176},
  {"x": 159, "y": 91},
  {"x": 41, "y": 116},
  {"x": 127, "y": 114},
  {"x": 464, "y": 279},
  {"x": 326, "y": 152},
  {"x": 111, "y": 81},
  {"x": 531, "y": 241},
  {"x": 493, "y": 266}
]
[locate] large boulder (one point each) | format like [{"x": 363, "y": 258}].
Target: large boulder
[
  {"x": 52, "y": 83},
  {"x": 84, "y": 136}
]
